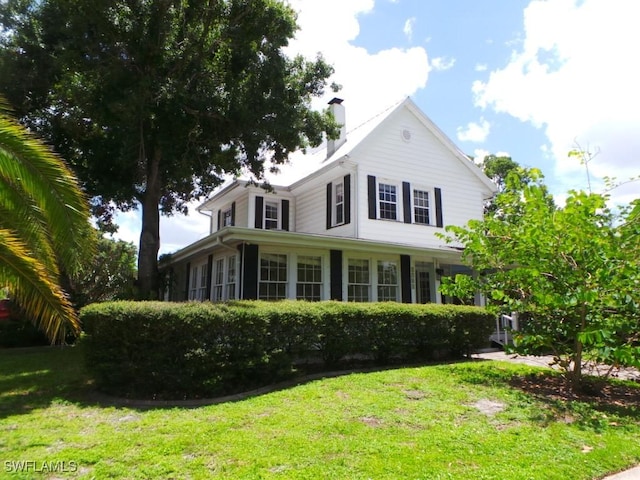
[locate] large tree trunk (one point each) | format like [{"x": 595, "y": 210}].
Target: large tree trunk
[{"x": 150, "y": 235}]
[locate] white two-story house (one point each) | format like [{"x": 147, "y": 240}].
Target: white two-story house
[{"x": 360, "y": 227}]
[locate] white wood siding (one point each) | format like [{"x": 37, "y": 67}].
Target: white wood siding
[
  {"x": 424, "y": 162},
  {"x": 242, "y": 211},
  {"x": 311, "y": 205}
]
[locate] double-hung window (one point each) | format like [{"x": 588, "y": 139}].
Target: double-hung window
[
  {"x": 218, "y": 280},
  {"x": 339, "y": 203},
  {"x": 421, "y": 207},
  {"x": 387, "y": 281},
  {"x": 231, "y": 277},
  {"x": 359, "y": 280},
  {"x": 273, "y": 276},
  {"x": 227, "y": 218},
  {"x": 271, "y": 215},
  {"x": 387, "y": 201},
  {"x": 309, "y": 284}
]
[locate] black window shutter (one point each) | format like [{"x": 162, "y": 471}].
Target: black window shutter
[
  {"x": 219, "y": 217},
  {"x": 336, "y": 274},
  {"x": 405, "y": 278},
  {"x": 285, "y": 215},
  {"x": 209, "y": 277},
  {"x": 249, "y": 254},
  {"x": 347, "y": 199},
  {"x": 259, "y": 211},
  {"x": 329, "y": 205},
  {"x": 233, "y": 213},
  {"x": 438, "y": 198},
  {"x": 406, "y": 201},
  {"x": 186, "y": 293},
  {"x": 371, "y": 188}
]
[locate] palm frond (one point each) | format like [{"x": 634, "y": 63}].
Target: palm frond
[
  {"x": 34, "y": 289},
  {"x": 48, "y": 182}
]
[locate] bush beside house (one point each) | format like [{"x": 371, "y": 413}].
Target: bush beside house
[{"x": 191, "y": 350}]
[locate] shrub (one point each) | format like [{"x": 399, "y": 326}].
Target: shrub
[{"x": 179, "y": 350}]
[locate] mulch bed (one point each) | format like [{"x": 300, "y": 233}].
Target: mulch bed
[{"x": 597, "y": 391}]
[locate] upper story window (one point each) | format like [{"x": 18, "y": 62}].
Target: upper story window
[
  {"x": 271, "y": 215},
  {"x": 227, "y": 218},
  {"x": 339, "y": 203},
  {"x": 421, "y": 207},
  {"x": 388, "y": 201}
]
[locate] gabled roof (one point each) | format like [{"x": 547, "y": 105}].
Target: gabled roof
[{"x": 305, "y": 167}]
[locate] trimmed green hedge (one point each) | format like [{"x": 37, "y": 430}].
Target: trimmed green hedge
[{"x": 191, "y": 350}]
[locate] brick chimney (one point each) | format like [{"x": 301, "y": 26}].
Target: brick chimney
[{"x": 337, "y": 109}]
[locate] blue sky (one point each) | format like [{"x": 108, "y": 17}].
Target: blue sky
[{"x": 528, "y": 78}]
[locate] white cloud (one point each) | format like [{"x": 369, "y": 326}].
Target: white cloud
[
  {"x": 481, "y": 67},
  {"x": 576, "y": 75},
  {"x": 408, "y": 27},
  {"x": 371, "y": 81},
  {"x": 474, "y": 132},
  {"x": 442, "y": 63}
]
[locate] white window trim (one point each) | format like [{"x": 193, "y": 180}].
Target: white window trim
[
  {"x": 334, "y": 203},
  {"x": 375, "y": 280},
  {"x": 214, "y": 284},
  {"x": 431, "y": 197},
  {"x": 322, "y": 273},
  {"x": 345, "y": 278},
  {"x": 398, "y": 187},
  {"x": 278, "y": 205},
  {"x": 198, "y": 285},
  {"x": 288, "y": 282},
  {"x": 228, "y": 261},
  {"x": 223, "y": 216}
]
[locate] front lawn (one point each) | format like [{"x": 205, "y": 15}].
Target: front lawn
[{"x": 456, "y": 421}]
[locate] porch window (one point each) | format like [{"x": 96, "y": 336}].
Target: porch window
[
  {"x": 231, "y": 277},
  {"x": 387, "y": 281},
  {"x": 193, "y": 285},
  {"x": 359, "y": 280},
  {"x": 309, "y": 285},
  {"x": 388, "y": 201},
  {"x": 273, "y": 277},
  {"x": 218, "y": 280}
]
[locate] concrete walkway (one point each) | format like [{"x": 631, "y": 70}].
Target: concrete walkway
[{"x": 544, "y": 361}]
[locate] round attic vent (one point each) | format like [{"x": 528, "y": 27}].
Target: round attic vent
[{"x": 406, "y": 135}]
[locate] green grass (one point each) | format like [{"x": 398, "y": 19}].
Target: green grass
[{"x": 410, "y": 423}]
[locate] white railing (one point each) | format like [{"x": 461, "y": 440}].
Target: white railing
[{"x": 504, "y": 325}]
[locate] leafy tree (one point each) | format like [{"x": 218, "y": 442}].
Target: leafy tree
[
  {"x": 152, "y": 102},
  {"x": 44, "y": 226},
  {"x": 497, "y": 168},
  {"x": 108, "y": 275},
  {"x": 573, "y": 271}
]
